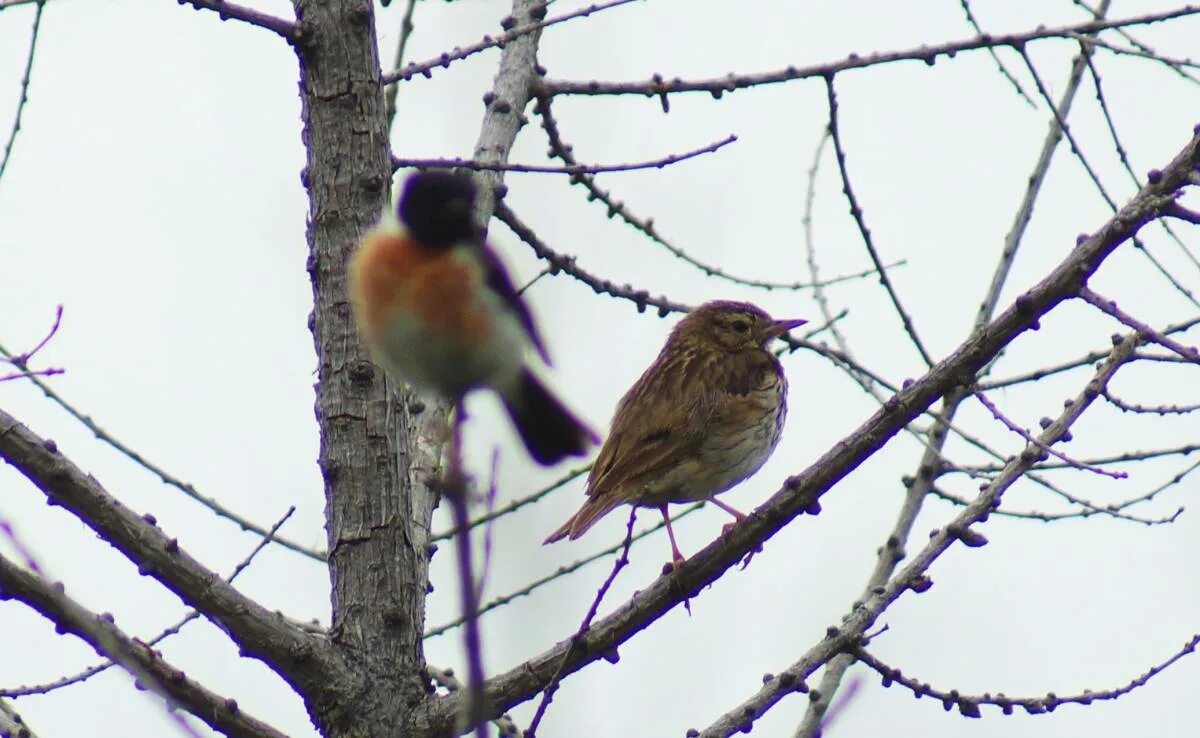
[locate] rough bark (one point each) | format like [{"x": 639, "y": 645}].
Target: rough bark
[{"x": 377, "y": 517}]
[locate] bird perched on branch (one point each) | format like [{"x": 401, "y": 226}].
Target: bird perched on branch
[
  {"x": 438, "y": 311},
  {"x": 704, "y": 416}
]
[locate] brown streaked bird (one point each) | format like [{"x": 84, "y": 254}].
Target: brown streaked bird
[
  {"x": 704, "y": 416},
  {"x": 439, "y": 311}
]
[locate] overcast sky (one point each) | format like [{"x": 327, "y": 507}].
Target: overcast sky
[{"x": 154, "y": 191}]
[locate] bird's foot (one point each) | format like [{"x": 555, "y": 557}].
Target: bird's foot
[{"x": 746, "y": 561}]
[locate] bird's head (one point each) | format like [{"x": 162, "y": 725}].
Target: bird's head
[
  {"x": 438, "y": 208},
  {"x": 731, "y": 326}
]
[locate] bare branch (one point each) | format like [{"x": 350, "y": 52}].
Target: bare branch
[
  {"x": 558, "y": 262},
  {"x": 920, "y": 483},
  {"x": 562, "y": 150},
  {"x": 1133, "y": 407},
  {"x": 968, "y": 705},
  {"x": 927, "y": 54},
  {"x": 857, "y": 213},
  {"x": 1085, "y": 360},
  {"x": 11, "y": 723},
  {"x": 1007, "y": 75},
  {"x": 220, "y": 713},
  {"x": 35, "y": 29},
  {"x": 1084, "y": 512},
  {"x": 620, "y": 563},
  {"x": 1187, "y": 353},
  {"x": 913, "y": 577},
  {"x": 572, "y": 169},
  {"x": 406, "y": 30},
  {"x": 1098, "y": 461},
  {"x": 511, "y": 34},
  {"x": 229, "y": 11},
  {"x": 454, "y": 491},
  {"x": 1138, "y": 44},
  {"x": 260, "y": 633},
  {"x": 163, "y": 475},
  {"x": 1028, "y": 437},
  {"x": 518, "y": 503},
  {"x": 561, "y": 572},
  {"x": 92, "y": 671}
]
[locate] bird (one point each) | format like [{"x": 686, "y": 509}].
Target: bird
[
  {"x": 705, "y": 415},
  {"x": 437, "y": 310}
]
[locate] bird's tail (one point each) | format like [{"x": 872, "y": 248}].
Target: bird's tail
[
  {"x": 578, "y": 524},
  {"x": 547, "y": 427}
]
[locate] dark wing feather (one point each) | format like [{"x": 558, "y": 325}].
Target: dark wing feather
[{"x": 497, "y": 279}]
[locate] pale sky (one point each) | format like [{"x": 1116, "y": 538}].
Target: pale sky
[{"x": 154, "y": 192}]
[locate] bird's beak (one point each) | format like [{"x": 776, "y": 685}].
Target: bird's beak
[{"x": 778, "y": 327}]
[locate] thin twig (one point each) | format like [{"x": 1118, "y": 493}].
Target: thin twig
[
  {"x": 1077, "y": 150},
  {"x": 1105, "y": 305},
  {"x": 164, "y": 476},
  {"x": 1085, "y": 360},
  {"x": 968, "y": 705},
  {"x": 920, "y": 484},
  {"x": 426, "y": 68},
  {"x": 147, "y": 666},
  {"x": 519, "y": 503},
  {"x": 1129, "y": 37},
  {"x": 229, "y": 11},
  {"x": 574, "y": 170},
  {"x": 1114, "y": 459},
  {"x": 559, "y": 573},
  {"x": 857, "y": 213},
  {"x": 406, "y": 30},
  {"x": 966, "y": 6},
  {"x": 564, "y": 151},
  {"x": 1081, "y": 514},
  {"x": 913, "y": 577},
  {"x": 35, "y": 29},
  {"x": 91, "y": 671},
  {"x": 455, "y": 491},
  {"x": 1029, "y": 438},
  {"x": 552, "y": 687},
  {"x": 928, "y": 54}
]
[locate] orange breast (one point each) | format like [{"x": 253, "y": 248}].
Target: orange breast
[{"x": 439, "y": 287}]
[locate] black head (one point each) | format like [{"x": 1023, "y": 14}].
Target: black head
[{"x": 438, "y": 208}]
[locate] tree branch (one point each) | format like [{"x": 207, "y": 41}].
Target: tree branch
[
  {"x": 658, "y": 86},
  {"x": 229, "y": 11},
  {"x": 572, "y": 169},
  {"x": 510, "y": 34},
  {"x": 24, "y": 98},
  {"x": 152, "y": 672},
  {"x": 969, "y": 705},
  {"x": 11, "y": 723},
  {"x": 851, "y": 634},
  {"x": 297, "y": 656},
  {"x": 163, "y": 475},
  {"x": 920, "y": 483},
  {"x": 92, "y": 671}
]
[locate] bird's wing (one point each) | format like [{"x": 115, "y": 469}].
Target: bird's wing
[
  {"x": 497, "y": 279},
  {"x": 659, "y": 423}
]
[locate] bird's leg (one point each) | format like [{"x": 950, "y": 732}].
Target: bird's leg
[
  {"x": 729, "y": 526},
  {"x": 738, "y": 514},
  {"x": 676, "y": 557}
]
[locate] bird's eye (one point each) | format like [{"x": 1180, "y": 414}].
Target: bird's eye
[{"x": 740, "y": 326}]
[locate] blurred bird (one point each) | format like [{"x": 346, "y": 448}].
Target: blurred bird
[
  {"x": 438, "y": 310},
  {"x": 705, "y": 415}
]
